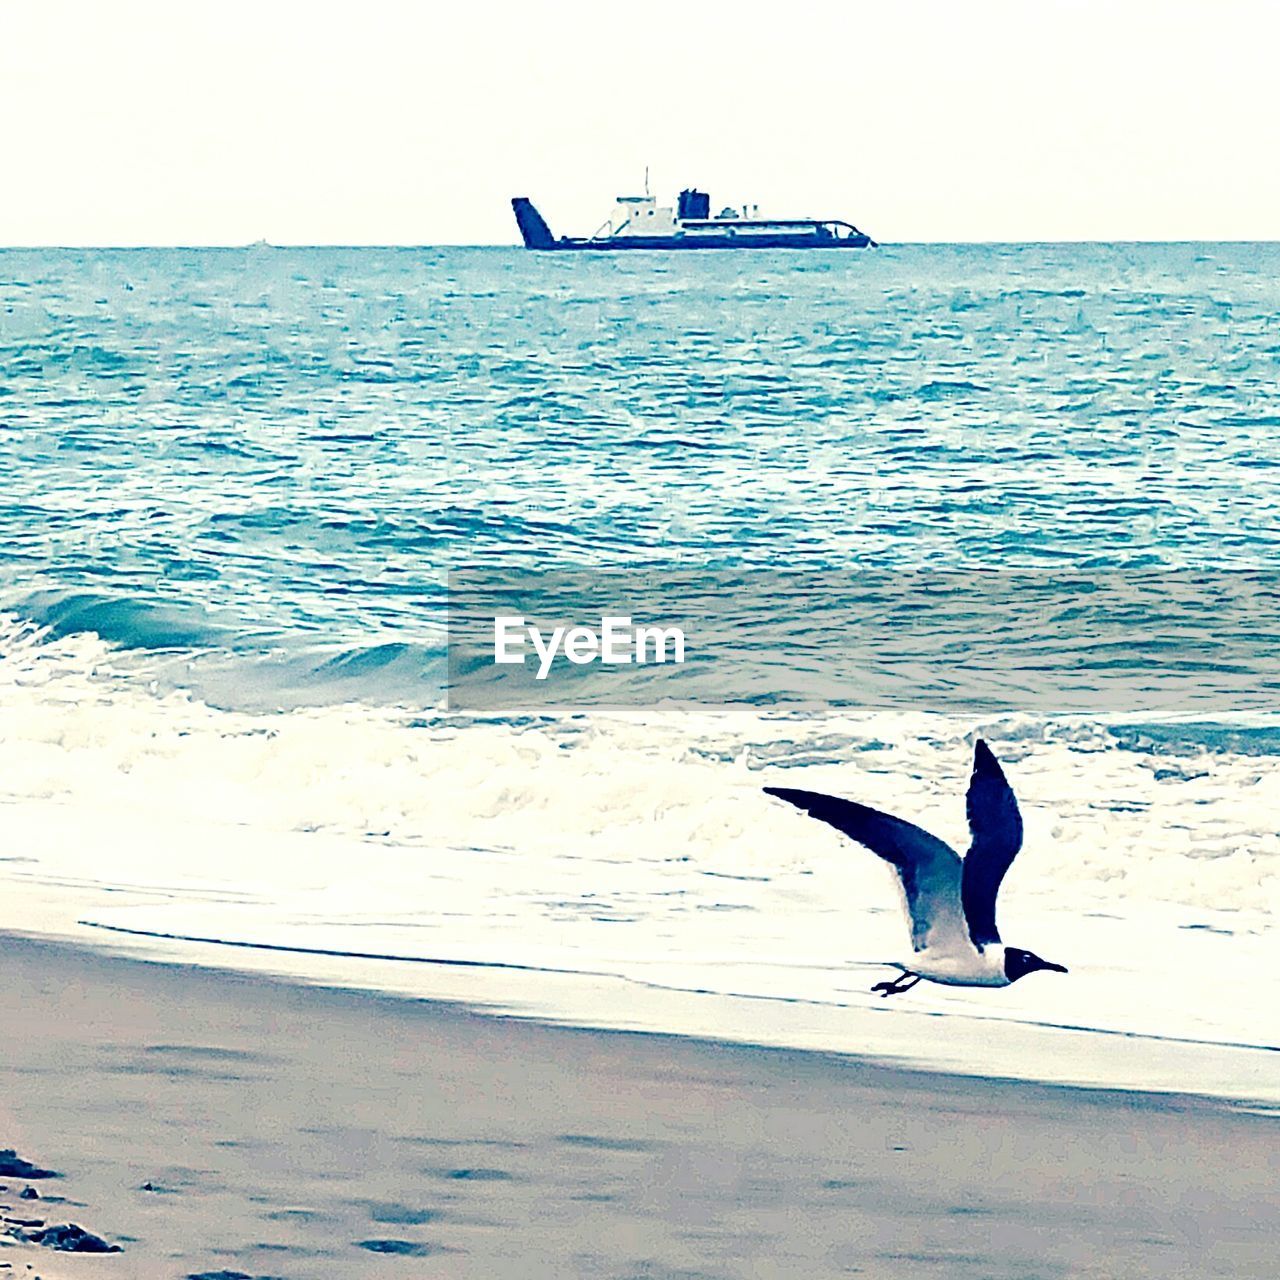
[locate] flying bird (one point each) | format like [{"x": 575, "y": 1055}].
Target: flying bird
[{"x": 950, "y": 904}]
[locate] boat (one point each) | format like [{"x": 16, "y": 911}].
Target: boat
[{"x": 639, "y": 222}]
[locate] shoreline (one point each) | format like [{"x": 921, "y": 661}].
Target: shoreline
[
  {"x": 309, "y": 1131},
  {"x": 921, "y": 1035},
  {"x": 271, "y": 955},
  {"x": 930, "y": 1034}
]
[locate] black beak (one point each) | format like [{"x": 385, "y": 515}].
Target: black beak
[{"x": 1053, "y": 968}]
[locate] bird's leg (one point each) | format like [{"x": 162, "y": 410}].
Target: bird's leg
[
  {"x": 887, "y": 989},
  {"x": 898, "y": 985}
]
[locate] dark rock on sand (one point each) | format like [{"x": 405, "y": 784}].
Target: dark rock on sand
[
  {"x": 480, "y": 1175},
  {"x": 405, "y": 1248},
  {"x": 12, "y": 1165},
  {"x": 70, "y": 1238},
  {"x": 225, "y": 1275},
  {"x": 402, "y": 1215},
  {"x": 28, "y": 1193}
]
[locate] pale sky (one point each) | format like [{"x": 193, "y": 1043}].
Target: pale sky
[{"x": 377, "y": 122}]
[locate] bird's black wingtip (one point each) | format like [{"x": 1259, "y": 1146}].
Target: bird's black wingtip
[{"x": 801, "y": 799}]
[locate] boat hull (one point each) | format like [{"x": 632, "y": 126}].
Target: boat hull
[{"x": 627, "y": 244}]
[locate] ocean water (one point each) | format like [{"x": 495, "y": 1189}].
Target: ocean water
[{"x": 236, "y": 484}]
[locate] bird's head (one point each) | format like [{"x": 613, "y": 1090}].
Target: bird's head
[{"x": 1019, "y": 963}]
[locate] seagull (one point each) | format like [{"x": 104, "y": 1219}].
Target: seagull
[{"x": 950, "y": 904}]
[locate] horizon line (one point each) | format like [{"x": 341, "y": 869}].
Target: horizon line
[{"x": 405, "y": 244}]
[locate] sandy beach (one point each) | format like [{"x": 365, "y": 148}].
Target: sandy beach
[{"x": 291, "y": 1131}]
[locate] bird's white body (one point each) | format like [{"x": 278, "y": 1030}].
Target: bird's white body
[{"x": 960, "y": 967}]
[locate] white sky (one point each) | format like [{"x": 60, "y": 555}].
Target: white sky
[{"x": 130, "y": 122}]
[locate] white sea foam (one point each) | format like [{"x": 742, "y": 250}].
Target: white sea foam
[{"x": 636, "y": 845}]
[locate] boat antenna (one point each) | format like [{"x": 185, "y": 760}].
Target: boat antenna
[{"x": 646, "y": 179}]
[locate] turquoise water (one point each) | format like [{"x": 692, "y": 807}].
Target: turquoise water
[
  {"x": 237, "y": 481},
  {"x": 278, "y": 452}
]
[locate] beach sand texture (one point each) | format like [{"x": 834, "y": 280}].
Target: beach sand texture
[{"x": 290, "y": 1131}]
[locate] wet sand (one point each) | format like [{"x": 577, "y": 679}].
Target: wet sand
[{"x": 296, "y": 1132}]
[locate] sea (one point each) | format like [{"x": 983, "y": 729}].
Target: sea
[{"x": 237, "y": 484}]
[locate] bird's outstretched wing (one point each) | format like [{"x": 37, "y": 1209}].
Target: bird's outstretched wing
[
  {"x": 996, "y": 827},
  {"x": 928, "y": 869}
]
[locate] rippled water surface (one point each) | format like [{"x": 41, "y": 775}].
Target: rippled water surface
[
  {"x": 263, "y": 446},
  {"x": 235, "y": 481}
]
